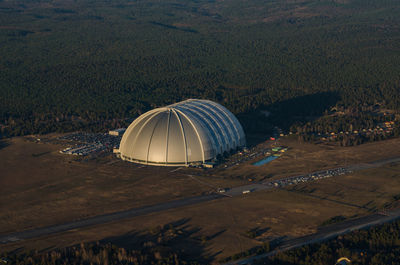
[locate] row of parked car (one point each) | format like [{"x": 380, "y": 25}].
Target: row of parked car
[
  {"x": 90, "y": 143},
  {"x": 309, "y": 177}
]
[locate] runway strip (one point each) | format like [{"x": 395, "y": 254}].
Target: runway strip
[
  {"x": 325, "y": 233},
  {"x": 106, "y": 218}
]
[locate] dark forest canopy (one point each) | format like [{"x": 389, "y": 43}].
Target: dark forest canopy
[
  {"x": 69, "y": 65},
  {"x": 375, "y": 246}
]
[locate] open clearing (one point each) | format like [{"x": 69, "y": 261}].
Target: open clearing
[
  {"x": 42, "y": 187},
  {"x": 303, "y": 158}
]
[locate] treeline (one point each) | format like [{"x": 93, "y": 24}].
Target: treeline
[
  {"x": 154, "y": 247},
  {"x": 375, "y": 246},
  {"x": 84, "y": 64},
  {"x": 343, "y": 123},
  {"x": 96, "y": 254},
  {"x": 352, "y": 139},
  {"x": 351, "y": 126}
]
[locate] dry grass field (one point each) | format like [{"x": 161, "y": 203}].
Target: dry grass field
[
  {"x": 42, "y": 187},
  {"x": 224, "y": 222},
  {"x": 304, "y": 157},
  {"x": 290, "y": 212}
]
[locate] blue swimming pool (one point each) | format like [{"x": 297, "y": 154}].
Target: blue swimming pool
[{"x": 265, "y": 160}]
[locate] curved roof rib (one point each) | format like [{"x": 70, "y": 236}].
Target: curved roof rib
[{"x": 191, "y": 131}]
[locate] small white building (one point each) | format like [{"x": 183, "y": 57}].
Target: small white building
[{"x": 117, "y": 132}]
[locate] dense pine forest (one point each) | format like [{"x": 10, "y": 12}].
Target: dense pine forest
[
  {"x": 375, "y": 246},
  {"x": 94, "y": 65}
]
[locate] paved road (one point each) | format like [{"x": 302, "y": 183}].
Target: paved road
[
  {"x": 264, "y": 185},
  {"x": 326, "y": 233},
  {"x": 106, "y": 218},
  {"x": 373, "y": 164}
]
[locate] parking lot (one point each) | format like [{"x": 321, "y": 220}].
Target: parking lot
[
  {"x": 83, "y": 144},
  {"x": 293, "y": 180}
]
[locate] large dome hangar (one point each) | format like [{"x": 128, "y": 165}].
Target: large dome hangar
[{"x": 189, "y": 132}]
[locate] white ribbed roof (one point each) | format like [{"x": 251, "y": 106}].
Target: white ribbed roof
[{"x": 186, "y": 132}]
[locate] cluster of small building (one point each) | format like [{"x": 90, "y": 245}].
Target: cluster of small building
[
  {"x": 380, "y": 129},
  {"x": 250, "y": 154},
  {"x": 309, "y": 177},
  {"x": 92, "y": 143}
]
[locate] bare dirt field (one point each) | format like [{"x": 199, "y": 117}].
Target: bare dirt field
[
  {"x": 290, "y": 212},
  {"x": 41, "y": 187},
  {"x": 224, "y": 222},
  {"x": 305, "y": 157}
]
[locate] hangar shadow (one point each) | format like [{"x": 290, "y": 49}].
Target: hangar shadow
[{"x": 260, "y": 124}]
